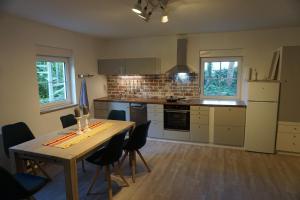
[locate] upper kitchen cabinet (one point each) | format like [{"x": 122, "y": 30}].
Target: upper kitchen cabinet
[
  {"x": 140, "y": 66},
  {"x": 111, "y": 66}
]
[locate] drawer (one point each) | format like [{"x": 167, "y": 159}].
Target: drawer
[
  {"x": 229, "y": 135},
  {"x": 177, "y": 135},
  {"x": 199, "y": 119},
  {"x": 231, "y": 116},
  {"x": 199, "y": 112},
  {"x": 199, "y": 108},
  {"x": 199, "y": 133},
  {"x": 155, "y": 116},
  {"x": 156, "y": 129},
  {"x": 288, "y": 142},
  {"x": 155, "y": 106},
  {"x": 100, "y": 105},
  {"x": 288, "y": 129}
]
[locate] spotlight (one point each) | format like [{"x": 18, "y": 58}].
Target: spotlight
[{"x": 137, "y": 7}]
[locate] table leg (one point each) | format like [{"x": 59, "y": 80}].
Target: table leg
[
  {"x": 17, "y": 164},
  {"x": 71, "y": 181}
]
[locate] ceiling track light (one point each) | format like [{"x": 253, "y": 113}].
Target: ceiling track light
[
  {"x": 149, "y": 6},
  {"x": 137, "y": 7}
]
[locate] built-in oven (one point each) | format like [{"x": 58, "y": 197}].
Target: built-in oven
[{"x": 177, "y": 117}]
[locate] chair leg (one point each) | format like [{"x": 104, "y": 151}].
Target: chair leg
[
  {"x": 121, "y": 174},
  {"x": 83, "y": 166},
  {"x": 123, "y": 158},
  {"x": 42, "y": 170},
  {"x": 133, "y": 165},
  {"x": 94, "y": 180},
  {"x": 109, "y": 188},
  {"x": 145, "y": 163}
]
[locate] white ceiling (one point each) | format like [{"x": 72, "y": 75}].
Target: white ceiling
[{"x": 114, "y": 18}]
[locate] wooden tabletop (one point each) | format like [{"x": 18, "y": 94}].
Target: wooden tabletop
[{"x": 35, "y": 147}]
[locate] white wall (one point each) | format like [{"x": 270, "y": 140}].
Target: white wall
[
  {"x": 18, "y": 85},
  {"x": 257, "y": 47}
]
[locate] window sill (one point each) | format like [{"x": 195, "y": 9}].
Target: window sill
[{"x": 48, "y": 110}]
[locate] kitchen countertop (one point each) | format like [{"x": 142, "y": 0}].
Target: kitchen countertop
[{"x": 192, "y": 102}]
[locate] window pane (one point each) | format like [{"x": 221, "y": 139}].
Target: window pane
[
  {"x": 52, "y": 81},
  {"x": 220, "y": 78}
]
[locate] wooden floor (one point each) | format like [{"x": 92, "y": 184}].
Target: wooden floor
[{"x": 184, "y": 171}]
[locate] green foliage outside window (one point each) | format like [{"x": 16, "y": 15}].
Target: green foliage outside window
[
  {"x": 51, "y": 81},
  {"x": 220, "y": 78}
]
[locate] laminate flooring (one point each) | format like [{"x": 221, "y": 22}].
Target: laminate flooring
[{"x": 191, "y": 172}]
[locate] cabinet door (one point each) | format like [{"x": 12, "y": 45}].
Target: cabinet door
[
  {"x": 230, "y": 116},
  {"x": 229, "y": 135},
  {"x": 289, "y": 109},
  {"x": 285, "y": 142},
  {"x": 120, "y": 106},
  {"x": 199, "y": 133},
  {"x": 156, "y": 129},
  {"x": 177, "y": 135},
  {"x": 141, "y": 66},
  {"x": 111, "y": 66}
]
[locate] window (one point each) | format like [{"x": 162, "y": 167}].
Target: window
[
  {"x": 220, "y": 77},
  {"x": 53, "y": 81}
]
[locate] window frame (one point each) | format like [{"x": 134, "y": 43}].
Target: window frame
[
  {"x": 239, "y": 59},
  {"x": 68, "y": 83}
]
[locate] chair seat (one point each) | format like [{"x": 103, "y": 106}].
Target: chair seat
[
  {"x": 31, "y": 183},
  {"x": 97, "y": 157},
  {"x": 127, "y": 146}
]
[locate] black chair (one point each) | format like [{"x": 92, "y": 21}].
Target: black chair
[
  {"x": 107, "y": 156},
  {"x": 117, "y": 115},
  {"x": 14, "y": 134},
  {"x": 19, "y": 186},
  {"x": 136, "y": 140},
  {"x": 68, "y": 120}
]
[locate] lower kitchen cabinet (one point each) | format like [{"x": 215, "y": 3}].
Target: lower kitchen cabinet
[
  {"x": 199, "y": 133},
  {"x": 156, "y": 115},
  {"x": 102, "y": 109},
  {"x": 229, "y": 135},
  {"x": 156, "y": 129},
  {"x": 288, "y": 137},
  {"x": 199, "y": 124},
  {"x": 177, "y": 135}
]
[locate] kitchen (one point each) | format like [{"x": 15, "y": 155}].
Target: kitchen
[{"x": 220, "y": 143}]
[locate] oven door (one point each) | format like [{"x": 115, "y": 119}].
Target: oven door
[{"x": 177, "y": 120}]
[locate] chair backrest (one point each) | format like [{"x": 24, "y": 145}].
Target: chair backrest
[
  {"x": 68, "y": 120},
  {"x": 139, "y": 136},
  {"x": 10, "y": 188},
  {"x": 14, "y": 134},
  {"x": 117, "y": 115},
  {"x": 114, "y": 149}
]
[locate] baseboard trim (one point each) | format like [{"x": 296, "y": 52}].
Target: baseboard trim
[{"x": 197, "y": 144}]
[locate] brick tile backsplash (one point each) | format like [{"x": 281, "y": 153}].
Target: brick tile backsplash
[{"x": 152, "y": 86}]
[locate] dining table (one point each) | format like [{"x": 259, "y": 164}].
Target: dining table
[{"x": 43, "y": 148}]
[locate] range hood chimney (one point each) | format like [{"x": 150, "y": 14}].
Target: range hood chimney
[{"x": 181, "y": 66}]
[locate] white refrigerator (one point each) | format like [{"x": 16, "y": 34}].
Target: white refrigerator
[{"x": 261, "y": 116}]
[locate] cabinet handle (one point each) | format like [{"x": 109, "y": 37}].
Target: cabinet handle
[
  {"x": 294, "y": 143},
  {"x": 294, "y": 136},
  {"x": 228, "y": 129}
]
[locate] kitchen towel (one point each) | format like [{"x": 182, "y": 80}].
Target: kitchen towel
[{"x": 83, "y": 100}]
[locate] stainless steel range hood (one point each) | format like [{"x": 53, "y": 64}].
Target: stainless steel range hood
[{"x": 181, "y": 66}]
